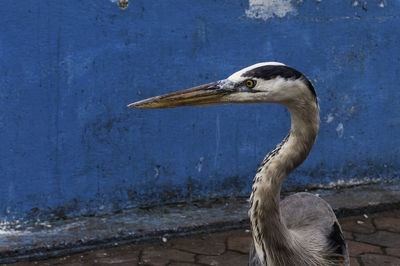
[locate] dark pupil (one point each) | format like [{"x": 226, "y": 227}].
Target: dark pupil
[{"x": 249, "y": 83}]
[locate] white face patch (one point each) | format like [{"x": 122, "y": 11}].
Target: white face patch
[
  {"x": 279, "y": 89},
  {"x": 276, "y": 90},
  {"x": 237, "y": 76}
]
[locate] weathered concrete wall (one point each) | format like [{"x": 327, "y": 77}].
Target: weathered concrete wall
[{"x": 69, "y": 145}]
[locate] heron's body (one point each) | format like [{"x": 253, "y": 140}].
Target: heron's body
[
  {"x": 302, "y": 230},
  {"x": 314, "y": 221}
]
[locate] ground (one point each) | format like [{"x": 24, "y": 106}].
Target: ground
[{"x": 373, "y": 240}]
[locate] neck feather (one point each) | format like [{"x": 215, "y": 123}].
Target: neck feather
[{"x": 273, "y": 241}]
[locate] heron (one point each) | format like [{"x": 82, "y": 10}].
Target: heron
[{"x": 302, "y": 229}]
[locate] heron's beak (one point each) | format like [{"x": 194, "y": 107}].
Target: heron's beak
[{"x": 204, "y": 95}]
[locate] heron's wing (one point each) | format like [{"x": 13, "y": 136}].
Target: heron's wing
[
  {"x": 310, "y": 216},
  {"x": 254, "y": 260}
]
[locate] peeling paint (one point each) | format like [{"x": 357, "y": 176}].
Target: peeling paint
[
  {"x": 350, "y": 182},
  {"x": 266, "y": 9},
  {"x": 362, "y": 4},
  {"x": 340, "y": 130},
  {"x": 199, "y": 165},
  {"x": 123, "y": 4},
  {"x": 156, "y": 172},
  {"x": 330, "y": 118}
]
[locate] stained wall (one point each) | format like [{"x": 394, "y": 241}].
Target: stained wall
[{"x": 70, "y": 146}]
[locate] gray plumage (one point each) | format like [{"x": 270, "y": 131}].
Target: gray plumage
[
  {"x": 311, "y": 217},
  {"x": 302, "y": 230}
]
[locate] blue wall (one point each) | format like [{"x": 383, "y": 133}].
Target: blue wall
[{"x": 70, "y": 146}]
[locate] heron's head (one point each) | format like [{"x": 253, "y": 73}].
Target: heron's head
[{"x": 264, "y": 82}]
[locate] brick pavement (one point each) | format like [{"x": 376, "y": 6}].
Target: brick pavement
[{"x": 373, "y": 240}]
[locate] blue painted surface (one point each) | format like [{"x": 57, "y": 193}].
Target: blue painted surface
[{"x": 68, "y": 68}]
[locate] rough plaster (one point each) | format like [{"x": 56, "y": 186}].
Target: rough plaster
[
  {"x": 70, "y": 147},
  {"x": 266, "y": 9}
]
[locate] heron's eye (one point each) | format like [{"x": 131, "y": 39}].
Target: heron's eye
[{"x": 250, "y": 83}]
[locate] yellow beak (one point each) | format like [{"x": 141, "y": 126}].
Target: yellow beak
[{"x": 204, "y": 95}]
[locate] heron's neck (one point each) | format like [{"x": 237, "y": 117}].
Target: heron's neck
[{"x": 271, "y": 236}]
